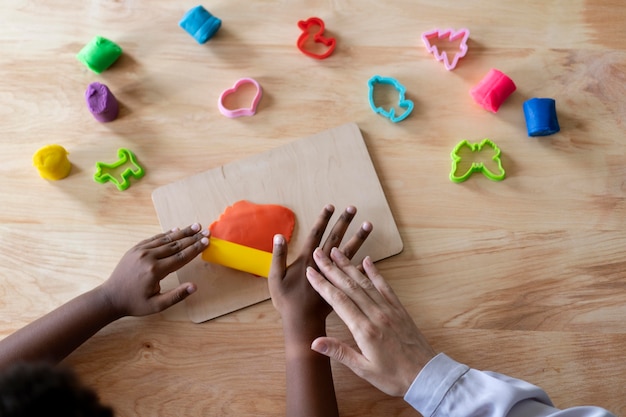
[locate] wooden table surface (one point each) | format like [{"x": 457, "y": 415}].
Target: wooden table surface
[{"x": 523, "y": 276}]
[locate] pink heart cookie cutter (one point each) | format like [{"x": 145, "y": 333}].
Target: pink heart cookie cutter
[
  {"x": 244, "y": 111},
  {"x": 451, "y": 35}
]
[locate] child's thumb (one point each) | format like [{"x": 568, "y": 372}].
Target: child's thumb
[{"x": 175, "y": 296}]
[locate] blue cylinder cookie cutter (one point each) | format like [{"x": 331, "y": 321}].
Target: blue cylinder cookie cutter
[
  {"x": 200, "y": 24},
  {"x": 540, "y": 114}
]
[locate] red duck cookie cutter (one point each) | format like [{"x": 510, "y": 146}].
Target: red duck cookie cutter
[{"x": 318, "y": 37}]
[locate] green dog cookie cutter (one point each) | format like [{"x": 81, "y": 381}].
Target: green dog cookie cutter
[
  {"x": 476, "y": 166},
  {"x": 112, "y": 172}
]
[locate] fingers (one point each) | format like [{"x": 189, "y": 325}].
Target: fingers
[
  {"x": 315, "y": 236},
  {"x": 176, "y": 240},
  {"x": 348, "y": 279},
  {"x": 341, "y": 352},
  {"x": 355, "y": 243},
  {"x": 186, "y": 244},
  {"x": 279, "y": 260},
  {"x": 380, "y": 283},
  {"x": 159, "y": 240},
  {"x": 174, "y": 296},
  {"x": 345, "y": 308},
  {"x": 339, "y": 229}
]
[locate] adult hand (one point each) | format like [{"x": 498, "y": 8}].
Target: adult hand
[
  {"x": 134, "y": 289},
  {"x": 292, "y": 295},
  {"x": 392, "y": 348}
]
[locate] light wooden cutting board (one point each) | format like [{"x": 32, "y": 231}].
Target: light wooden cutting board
[{"x": 330, "y": 167}]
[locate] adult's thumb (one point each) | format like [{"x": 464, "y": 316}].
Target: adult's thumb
[{"x": 339, "y": 351}]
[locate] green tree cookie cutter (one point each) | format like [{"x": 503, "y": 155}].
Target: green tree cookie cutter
[
  {"x": 114, "y": 172},
  {"x": 476, "y": 166}
]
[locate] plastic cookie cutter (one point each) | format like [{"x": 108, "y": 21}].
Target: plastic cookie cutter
[
  {"x": 540, "y": 115},
  {"x": 474, "y": 148},
  {"x": 318, "y": 37},
  {"x": 403, "y": 102},
  {"x": 452, "y": 36},
  {"x": 243, "y": 111},
  {"x": 120, "y": 171}
]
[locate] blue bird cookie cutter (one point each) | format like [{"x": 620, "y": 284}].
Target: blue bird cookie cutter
[
  {"x": 120, "y": 171},
  {"x": 476, "y": 166},
  {"x": 403, "y": 102}
]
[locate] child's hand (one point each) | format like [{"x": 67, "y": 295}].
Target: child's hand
[
  {"x": 134, "y": 286},
  {"x": 310, "y": 389},
  {"x": 292, "y": 295}
]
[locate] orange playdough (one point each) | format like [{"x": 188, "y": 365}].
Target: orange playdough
[{"x": 254, "y": 225}]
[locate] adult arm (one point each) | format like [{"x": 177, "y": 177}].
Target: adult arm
[
  {"x": 132, "y": 289},
  {"x": 396, "y": 358},
  {"x": 445, "y": 387},
  {"x": 310, "y": 389}
]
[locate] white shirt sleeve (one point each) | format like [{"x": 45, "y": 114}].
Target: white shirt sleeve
[{"x": 446, "y": 388}]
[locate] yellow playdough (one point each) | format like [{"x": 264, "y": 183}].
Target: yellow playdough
[
  {"x": 52, "y": 163},
  {"x": 242, "y": 258}
]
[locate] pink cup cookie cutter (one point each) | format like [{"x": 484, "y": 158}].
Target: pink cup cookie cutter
[
  {"x": 243, "y": 111},
  {"x": 452, "y": 36}
]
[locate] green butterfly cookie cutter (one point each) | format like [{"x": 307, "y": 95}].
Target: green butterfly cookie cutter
[
  {"x": 476, "y": 166},
  {"x": 115, "y": 172}
]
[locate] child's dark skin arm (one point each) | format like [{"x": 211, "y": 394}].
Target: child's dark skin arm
[
  {"x": 310, "y": 389},
  {"x": 133, "y": 289}
]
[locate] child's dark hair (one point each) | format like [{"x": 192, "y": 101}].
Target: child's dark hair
[{"x": 42, "y": 389}]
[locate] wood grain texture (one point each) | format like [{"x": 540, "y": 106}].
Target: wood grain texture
[
  {"x": 524, "y": 277},
  {"x": 304, "y": 175}
]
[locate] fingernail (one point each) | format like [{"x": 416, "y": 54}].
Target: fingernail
[
  {"x": 195, "y": 227},
  {"x": 351, "y": 209},
  {"x": 278, "y": 240},
  {"x": 309, "y": 270},
  {"x": 367, "y": 226},
  {"x": 204, "y": 241},
  {"x": 320, "y": 347},
  {"x": 330, "y": 208},
  {"x": 175, "y": 229},
  {"x": 367, "y": 260},
  {"x": 206, "y": 232},
  {"x": 191, "y": 289},
  {"x": 335, "y": 252},
  {"x": 317, "y": 252}
]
